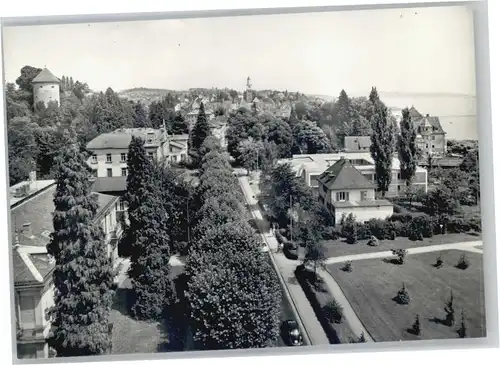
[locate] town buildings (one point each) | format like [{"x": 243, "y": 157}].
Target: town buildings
[
  {"x": 218, "y": 128},
  {"x": 357, "y": 143},
  {"x": 109, "y": 154},
  {"x": 46, "y": 88},
  {"x": 431, "y": 138},
  {"x": 31, "y": 207},
  {"x": 310, "y": 167},
  {"x": 344, "y": 190}
]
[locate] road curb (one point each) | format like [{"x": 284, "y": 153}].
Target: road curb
[{"x": 307, "y": 338}]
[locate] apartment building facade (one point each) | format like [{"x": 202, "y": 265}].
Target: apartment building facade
[{"x": 31, "y": 207}]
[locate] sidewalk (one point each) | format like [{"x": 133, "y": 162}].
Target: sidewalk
[
  {"x": 300, "y": 301},
  {"x": 463, "y": 246}
]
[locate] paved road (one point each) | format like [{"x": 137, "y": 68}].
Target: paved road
[{"x": 286, "y": 269}]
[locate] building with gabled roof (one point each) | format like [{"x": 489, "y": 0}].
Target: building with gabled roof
[
  {"x": 431, "y": 138},
  {"x": 46, "y": 88},
  {"x": 343, "y": 190},
  {"x": 357, "y": 143}
]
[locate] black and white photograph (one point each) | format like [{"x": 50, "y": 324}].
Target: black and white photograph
[{"x": 244, "y": 182}]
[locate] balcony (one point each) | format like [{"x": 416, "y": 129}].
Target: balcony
[{"x": 25, "y": 335}]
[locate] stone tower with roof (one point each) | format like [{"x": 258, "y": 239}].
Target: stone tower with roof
[{"x": 46, "y": 88}]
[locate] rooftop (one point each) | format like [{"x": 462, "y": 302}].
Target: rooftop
[
  {"x": 45, "y": 76},
  {"x": 122, "y": 137},
  {"x": 356, "y": 143},
  {"x": 343, "y": 175},
  {"x": 31, "y": 226},
  {"x": 363, "y": 204}
]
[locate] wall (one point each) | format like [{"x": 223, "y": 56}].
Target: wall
[
  {"x": 439, "y": 143},
  {"x": 364, "y": 213},
  {"x": 46, "y": 92},
  {"x": 354, "y": 194},
  {"x": 116, "y": 164}
]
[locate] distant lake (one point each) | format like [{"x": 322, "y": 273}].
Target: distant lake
[{"x": 457, "y": 113}]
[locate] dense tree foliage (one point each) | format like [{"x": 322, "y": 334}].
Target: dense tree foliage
[
  {"x": 83, "y": 273},
  {"x": 198, "y": 135},
  {"x": 382, "y": 146},
  {"x": 148, "y": 235}
]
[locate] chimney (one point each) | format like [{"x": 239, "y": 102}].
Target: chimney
[{"x": 27, "y": 229}]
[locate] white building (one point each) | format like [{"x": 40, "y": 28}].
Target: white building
[
  {"x": 46, "y": 88},
  {"x": 310, "y": 167},
  {"x": 343, "y": 190},
  {"x": 109, "y": 154},
  {"x": 31, "y": 207}
]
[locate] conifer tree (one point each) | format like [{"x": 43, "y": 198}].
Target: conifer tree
[
  {"x": 407, "y": 148},
  {"x": 382, "y": 146},
  {"x": 71, "y": 83},
  {"x": 148, "y": 236},
  {"x": 179, "y": 125},
  {"x": 140, "y": 116},
  {"x": 83, "y": 273},
  {"x": 200, "y": 131}
]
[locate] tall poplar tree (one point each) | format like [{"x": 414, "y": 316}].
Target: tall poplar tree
[
  {"x": 382, "y": 147},
  {"x": 83, "y": 273},
  {"x": 140, "y": 116},
  {"x": 407, "y": 148}
]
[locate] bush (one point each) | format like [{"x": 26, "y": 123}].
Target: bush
[
  {"x": 463, "y": 263},
  {"x": 347, "y": 266},
  {"x": 373, "y": 241},
  {"x": 400, "y": 253},
  {"x": 334, "y": 311},
  {"x": 403, "y": 297},
  {"x": 401, "y": 229},
  {"x": 377, "y": 228},
  {"x": 331, "y": 233},
  {"x": 439, "y": 262},
  {"x": 420, "y": 227},
  {"x": 416, "y": 326}
]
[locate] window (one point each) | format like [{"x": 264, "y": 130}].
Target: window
[
  {"x": 123, "y": 157},
  {"x": 364, "y": 195},
  {"x": 399, "y": 176},
  {"x": 399, "y": 188},
  {"x": 342, "y": 196},
  {"x": 110, "y": 172},
  {"x": 27, "y": 311},
  {"x": 150, "y": 154},
  {"x": 433, "y": 146},
  {"x": 426, "y": 145},
  {"x": 124, "y": 171},
  {"x": 433, "y": 137},
  {"x": 122, "y": 205},
  {"x": 108, "y": 158},
  {"x": 93, "y": 159},
  {"x": 52, "y": 86},
  {"x": 173, "y": 158},
  {"x": 94, "y": 173},
  {"x": 183, "y": 158}
]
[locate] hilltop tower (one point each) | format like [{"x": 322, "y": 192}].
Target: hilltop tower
[
  {"x": 46, "y": 88},
  {"x": 248, "y": 91}
]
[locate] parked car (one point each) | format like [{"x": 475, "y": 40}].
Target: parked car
[{"x": 291, "y": 333}]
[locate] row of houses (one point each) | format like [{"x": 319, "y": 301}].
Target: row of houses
[{"x": 345, "y": 183}]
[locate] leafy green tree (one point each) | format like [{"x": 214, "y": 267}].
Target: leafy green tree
[
  {"x": 251, "y": 152},
  {"x": 310, "y": 138},
  {"x": 22, "y": 149},
  {"x": 407, "y": 148},
  {"x": 83, "y": 273},
  {"x": 382, "y": 146},
  {"x": 28, "y": 73},
  {"x": 441, "y": 201},
  {"x": 234, "y": 302}
]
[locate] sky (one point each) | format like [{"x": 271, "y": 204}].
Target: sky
[{"x": 422, "y": 50}]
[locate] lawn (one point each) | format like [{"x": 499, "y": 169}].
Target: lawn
[
  {"x": 372, "y": 285},
  {"x": 130, "y": 335},
  {"x": 335, "y": 248}
]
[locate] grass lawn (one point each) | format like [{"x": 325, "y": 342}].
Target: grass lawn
[
  {"x": 335, "y": 248},
  {"x": 372, "y": 285},
  {"x": 130, "y": 335}
]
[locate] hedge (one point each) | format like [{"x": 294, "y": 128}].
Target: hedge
[{"x": 319, "y": 297}]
